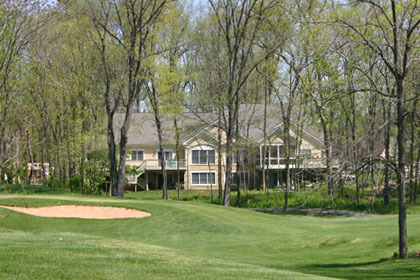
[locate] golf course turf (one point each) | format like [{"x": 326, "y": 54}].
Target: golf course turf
[{"x": 188, "y": 240}]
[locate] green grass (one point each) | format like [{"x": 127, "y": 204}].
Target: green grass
[
  {"x": 29, "y": 189},
  {"x": 307, "y": 199},
  {"x": 192, "y": 240}
]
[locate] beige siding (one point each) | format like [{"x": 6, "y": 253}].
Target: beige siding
[
  {"x": 150, "y": 153},
  {"x": 214, "y": 132},
  {"x": 203, "y": 167}
]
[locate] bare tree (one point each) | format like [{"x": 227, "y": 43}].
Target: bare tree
[
  {"x": 397, "y": 24},
  {"x": 130, "y": 25},
  {"x": 239, "y": 22},
  {"x": 20, "y": 22}
]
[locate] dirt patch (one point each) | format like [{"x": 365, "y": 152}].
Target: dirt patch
[{"x": 81, "y": 211}]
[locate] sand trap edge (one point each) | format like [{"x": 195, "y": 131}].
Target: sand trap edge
[{"x": 80, "y": 211}]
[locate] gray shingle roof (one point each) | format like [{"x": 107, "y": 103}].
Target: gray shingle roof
[{"x": 143, "y": 131}]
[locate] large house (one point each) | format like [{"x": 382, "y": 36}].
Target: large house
[{"x": 197, "y": 167}]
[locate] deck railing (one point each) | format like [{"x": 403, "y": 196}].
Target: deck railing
[
  {"x": 155, "y": 164},
  {"x": 280, "y": 163}
]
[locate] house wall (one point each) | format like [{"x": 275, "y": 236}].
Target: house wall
[
  {"x": 150, "y": 153},
  {"x": 305, "y": 144},
  {"x": 203, "y": 167},
  {"x": 316, "y": 160}
]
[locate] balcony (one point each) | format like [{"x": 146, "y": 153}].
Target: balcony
[
  {"x": 280, "y": 163},
  {"x": 155, "y": 164}
]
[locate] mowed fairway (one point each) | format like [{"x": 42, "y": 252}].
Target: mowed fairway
[{"x": 184, "y": 240}]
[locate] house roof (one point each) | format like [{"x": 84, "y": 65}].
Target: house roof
[{"x": 143, "y": 132}]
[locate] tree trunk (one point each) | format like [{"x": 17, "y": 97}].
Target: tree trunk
[
  {"x": 238, "y": 163},
  {"x": 162, "y": 152},
  {"x": 372, "y": 137},
  {"x": 30, "y": 157},
  {"x": 263, "y": 152},
  {"x": 412, "y": 140},
  {"x": 341, "y": 183},
  {"x": 387, "y": 136},
  {"x": 416, "y": 182},
  {"x": 286, "y": 140},
  {"x": 112, "y": 149},
  {"x": 326, "y": 133},
  {"x": 123, "y": 150},
  {"x": 219, "y": 155},
  {"x": 178, "y": 183},
  {"x": 402, "y": 215},
  {"x": 355, "y": 154},
  {"x": 229, "y": 138}
]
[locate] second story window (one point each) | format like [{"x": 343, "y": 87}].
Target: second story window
[
  {"x": 168, "y": 155},
  {"x": 203, "y": 155},
  {"x": 137, "y": 155},
  {"x": 242, "y": 157},
  {"x": 276, "y": 153}
]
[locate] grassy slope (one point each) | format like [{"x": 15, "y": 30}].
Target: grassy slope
[{"x": 186, "y": 240}]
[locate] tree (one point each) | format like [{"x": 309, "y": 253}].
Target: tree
[
  {"x": 321, "y": 79},
  {"x": 20, "y": 22},
  {"x": 130, "y": 23},
  {"x": 390, "y": 29},
  {"x": 288, "y": 95},
  {"x": 240, "y": 23}
]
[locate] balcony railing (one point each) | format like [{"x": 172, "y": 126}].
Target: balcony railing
[
  {"x": 280, "y": 163},
  {"x": 155, "y": 164}
]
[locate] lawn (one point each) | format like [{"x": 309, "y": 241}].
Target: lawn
[
  {"x": 192, "y": 240},
  {"x": 306, "y": 199}
]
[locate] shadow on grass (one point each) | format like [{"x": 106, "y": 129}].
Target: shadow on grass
[
  {"x": 344, "y": 265},
  {"x": 384, "y": 268}
]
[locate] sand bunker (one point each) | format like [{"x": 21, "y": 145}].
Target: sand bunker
[{"x": 81, "y": 211}]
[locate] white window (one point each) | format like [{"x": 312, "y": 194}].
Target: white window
[
  {"x": 203, "y": 178},
  {"x": 137, "y": 155},
  {"x": 275, "y": 153},
  {"x": 203, "y": 155}
]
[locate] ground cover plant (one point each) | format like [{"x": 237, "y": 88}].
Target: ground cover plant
[{"x": 192, "y": 240}]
